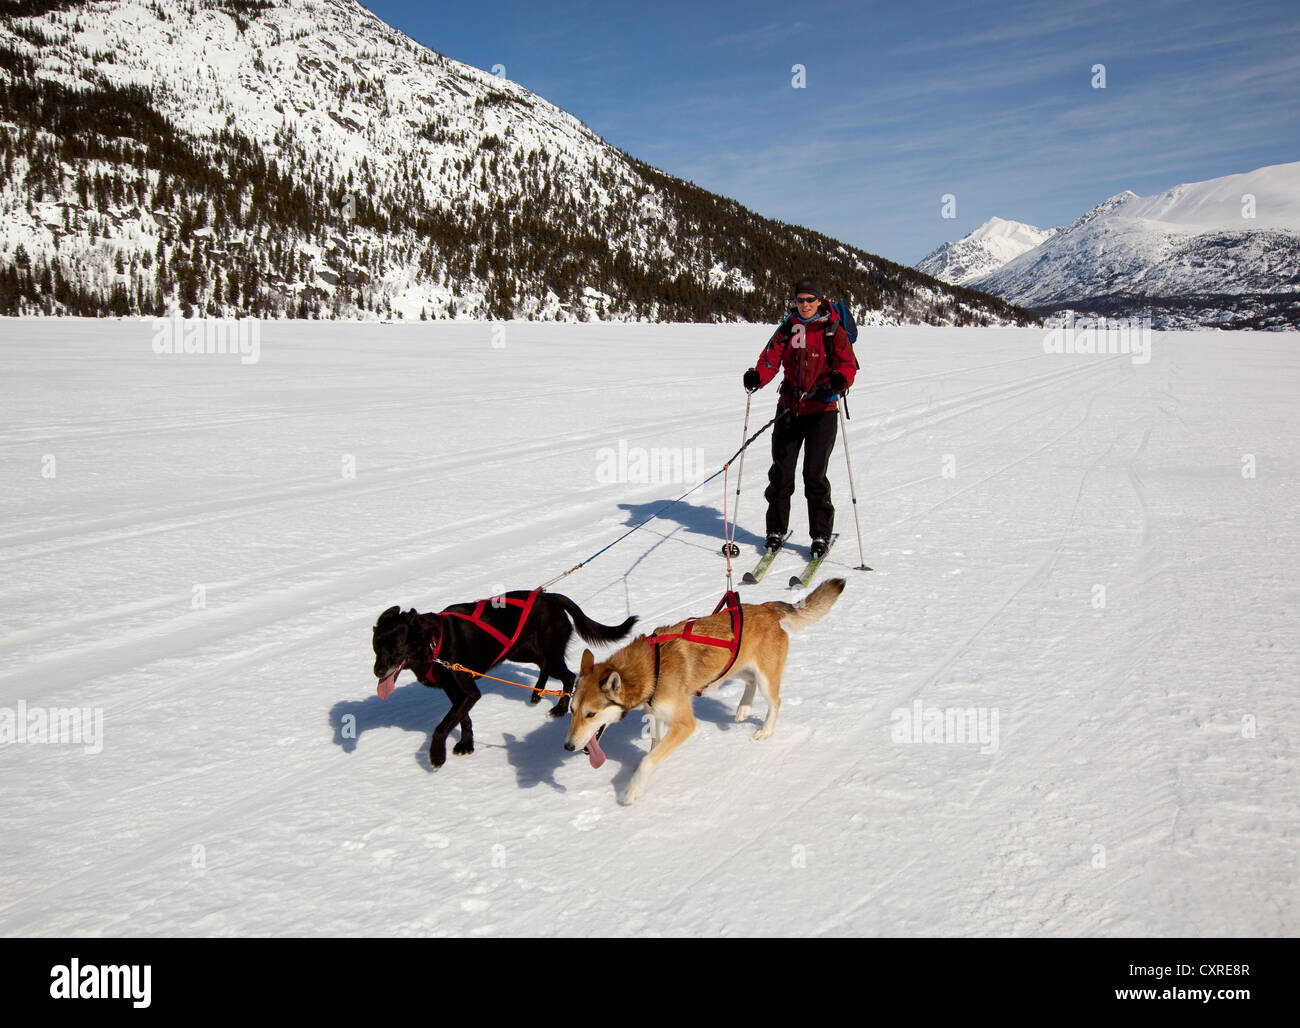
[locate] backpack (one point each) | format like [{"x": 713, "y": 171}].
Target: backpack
[{"x": 850, "y": 328}]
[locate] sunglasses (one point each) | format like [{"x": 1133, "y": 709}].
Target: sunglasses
[{"x": 805, "y": 299}]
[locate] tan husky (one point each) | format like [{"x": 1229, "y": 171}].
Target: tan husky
[{"x": 605, "y": 692}]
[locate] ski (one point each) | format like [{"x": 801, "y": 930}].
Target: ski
[
  {"x": 813, "y": 564},
  {"x": 764, "y": 562}
]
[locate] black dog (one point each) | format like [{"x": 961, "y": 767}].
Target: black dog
[{"x": 410, "y": 640}]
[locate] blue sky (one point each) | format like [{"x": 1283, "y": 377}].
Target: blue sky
[{"x": 903, "y": 102}]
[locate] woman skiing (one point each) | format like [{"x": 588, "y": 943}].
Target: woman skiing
[{"x": 814, "y": 351}]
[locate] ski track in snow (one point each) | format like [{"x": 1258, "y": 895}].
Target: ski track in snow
[{"x": 252, "y": 783}]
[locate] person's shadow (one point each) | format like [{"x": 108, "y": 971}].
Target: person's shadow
[{"x": 697, "y": 519}]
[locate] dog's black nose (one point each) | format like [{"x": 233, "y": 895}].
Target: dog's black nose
[{"x": 570, "y": 747}]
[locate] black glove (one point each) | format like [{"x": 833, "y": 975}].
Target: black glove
[
  {"x": 751, "y": 380},
  {"x": 838, "y": 382}
]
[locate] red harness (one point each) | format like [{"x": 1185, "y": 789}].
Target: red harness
[
  {"x": 476, "y": 618},
  {"x": 730, "y": 600}
]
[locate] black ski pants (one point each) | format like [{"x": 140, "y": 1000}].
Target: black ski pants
[{"x": 815, "y": 434}]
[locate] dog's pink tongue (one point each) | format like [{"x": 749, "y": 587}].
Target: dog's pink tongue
[
  {"x": 387, "y": 685},
  {"x": 594, "y": 753}
]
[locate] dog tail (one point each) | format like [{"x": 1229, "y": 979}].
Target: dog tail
[
  {"x": 593, "y": 631},
  {"x": 813, "y": 607}
]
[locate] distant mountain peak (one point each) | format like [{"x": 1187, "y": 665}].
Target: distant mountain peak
[
  {"x": 982, "y": 251},
  {"x": 1217, "y": 252},
  {"x": 1106, "y": 207}
]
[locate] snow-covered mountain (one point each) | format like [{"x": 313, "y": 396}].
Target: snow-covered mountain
[
  {"x": 983, "y": 251},
  {"x": 1222, "y": 250},
  {"x": 301, "y": 157}
]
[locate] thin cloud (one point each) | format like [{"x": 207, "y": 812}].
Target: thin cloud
[{"x": 776, "y": 33}]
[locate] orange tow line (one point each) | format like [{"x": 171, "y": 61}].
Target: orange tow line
[{"x": 480, "y": 674}]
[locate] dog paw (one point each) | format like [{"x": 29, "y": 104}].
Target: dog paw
[
  {"x": 560, "y": 709},
  {"x": 463, "y": 747},
  {"x": 536, "y": 697},
  {"x": 436, "y": 760},
  {"x": 763, "y": 733},
  {"x": 634, "y": 788},
  {"x": 742, "y": 713}
]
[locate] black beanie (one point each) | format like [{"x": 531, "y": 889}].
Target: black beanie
[{"x": 809, "y": 284}]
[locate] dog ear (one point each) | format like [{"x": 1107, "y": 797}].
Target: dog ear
[
  {"x": 388, "y": 615},
  {"x": 588, "y": 660},
  {"x": 611, "y": 684}
]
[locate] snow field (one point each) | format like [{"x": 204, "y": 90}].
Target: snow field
[{"x": 1093, "y": 556}]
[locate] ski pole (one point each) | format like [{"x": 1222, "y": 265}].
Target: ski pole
[
  {"x": 729, "y": 547},
  {"x": 852, "y": 492}
]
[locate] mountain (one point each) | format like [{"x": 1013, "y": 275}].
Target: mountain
[
  {"x": 1225, "y": 251},
  {"x": 303, "y": 158},
  {"x": 982, "y": 252}
]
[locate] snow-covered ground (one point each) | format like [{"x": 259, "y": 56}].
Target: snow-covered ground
[{"x": 1095, "y": 557}]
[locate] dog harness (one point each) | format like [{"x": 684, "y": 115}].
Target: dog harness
[
  {"x": 476, "y": 618},
  {"x": 731, "y": 601}
]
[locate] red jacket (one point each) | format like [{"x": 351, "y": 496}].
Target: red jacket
[{"x": 800, "y": 348}]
